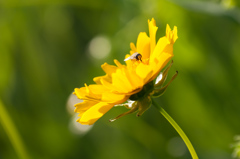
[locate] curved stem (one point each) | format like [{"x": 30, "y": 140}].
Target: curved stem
[
  {"x": 12, "y": 133},
  {"x": 178, "y": 129}
]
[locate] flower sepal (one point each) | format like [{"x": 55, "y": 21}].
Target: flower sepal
[
  {"x": 141, "y": 105},
  {"x": 162, "y": 77},
  {"x": 158, "y": 92}
]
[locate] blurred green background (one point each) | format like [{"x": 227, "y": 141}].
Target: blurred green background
[{"x": 48, "y": 48}]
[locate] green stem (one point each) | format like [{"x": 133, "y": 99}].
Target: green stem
[
  {"x": 178, "y": 129},
  {"x": 12, "y": 133}
]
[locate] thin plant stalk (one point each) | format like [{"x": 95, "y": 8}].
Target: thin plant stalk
[
  {"x": 178, "y": 129},
  {"x": 12, "y": 132}
]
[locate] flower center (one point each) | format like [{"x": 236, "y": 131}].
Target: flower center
[{"x": 146, "y": 90}]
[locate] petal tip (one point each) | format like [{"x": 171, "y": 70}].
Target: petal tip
[{"x": 171, "y": 34}]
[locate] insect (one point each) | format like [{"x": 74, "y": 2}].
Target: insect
[{"x": 135, "y": 56}]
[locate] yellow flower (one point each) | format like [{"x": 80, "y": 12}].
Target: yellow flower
[{"x": 132, "y": 82}]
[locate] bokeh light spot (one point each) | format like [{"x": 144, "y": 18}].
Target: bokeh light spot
[
  {"x": 77, "y": 128},
  {"x": 176, "y": 147},
  {"x": 99, "y": 47},
  {"x": 72, "y": 100}
]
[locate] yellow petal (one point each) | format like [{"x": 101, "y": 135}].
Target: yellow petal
[
  {"x": 168, "y": 49},
  {"x": 135, "y": 80},
  {"x": 146, "y": 52},
  {"x": 97, "y": 80},
  {"x": 152, "y": 33},
  {"x": 114, "y": 98},
  {"x": 165, "y": 44},
  {"x": 161, "y": 44},
  {"x": 88, "y": 92},
  {"x": 121, "y": 82},
  {"x": 133, "y": 48},
  {"x": 132, "y": 52},
  {"x": 84, "y": 106},
  {"x": 171, "y": 34},
  {"x": 168, "y": 32},
  {"x": 144, "y": 72},
  {"x": 124, "y": 81},
  {"x": 109, "y": 85},
  {"x": 161, "y": 62},
  {"x": 80, "y": 92},
  {"x": 175, "y": 36},
  {"x": 108, "y": 69},
  {"x": 90, "y": 116},
  {"x": 119, "y": 65},
  {"x": 97, "y": 89},
  {"x": 143, "y": 45},
  {"x": 106, "y": 77}
]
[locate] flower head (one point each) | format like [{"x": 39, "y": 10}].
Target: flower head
[{"x": 132, "y": 82}]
